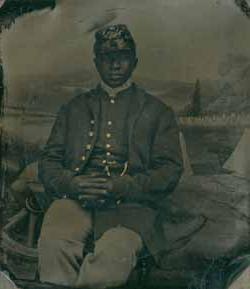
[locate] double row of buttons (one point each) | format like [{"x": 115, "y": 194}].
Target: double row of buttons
[
  {"x": 88, "y": 146},
  {"x": 108, "y": 136}
]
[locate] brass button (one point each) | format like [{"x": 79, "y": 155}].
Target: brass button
[
  {"x": 88, "y": 146},
  {"x": 104, "y": 162},
  {"x": 109, "y": 122},
  {"x": 112, "y": 101},
  {"x": 108, "y": 135},
  {"x": 77, "y": 169},
  {"x": 91, "y": 133},
  {"x": 108, "y": 154},
  {"x": 108, "y": 146},
  {"x": 83, "y": 158},
  {"x": 92, "y": 121}
]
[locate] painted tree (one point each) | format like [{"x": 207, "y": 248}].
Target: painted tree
[
  {"x": 11, "y": 9},
  {"x": 194, "y": 108}
]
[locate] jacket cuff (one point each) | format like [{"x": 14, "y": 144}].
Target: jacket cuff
[
  {"x": 122, "y": 185},
  {"x": 62, "y": 184}
]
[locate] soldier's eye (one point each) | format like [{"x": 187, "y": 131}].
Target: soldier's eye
[
  {"x": 124, "y": 57},
  {"x": 111, "y": 57}
]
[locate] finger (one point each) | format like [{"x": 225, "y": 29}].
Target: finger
[
  {"x": 88, "y": 186},
  {"x": 88, "y": 197},
  {"x": 93, "y": 180},
  {"x": 99, "y": 192},
  {"x": 97, "y": 180},
  {"x": 94, "y": 175}
]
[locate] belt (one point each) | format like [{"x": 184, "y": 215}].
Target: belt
[
  {"x": 100, "y": 204},
  {"x": 122, "y": 170},
  {"x": 111, "y": 168},
  {"x": 95, "y": 204}
]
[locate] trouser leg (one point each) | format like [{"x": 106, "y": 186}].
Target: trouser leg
[
  {"x": 60, "y": 247},
  {"x": 114, "y": 258}
]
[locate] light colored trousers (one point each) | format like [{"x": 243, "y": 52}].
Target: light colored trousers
[{"x": 60, "y": 248}]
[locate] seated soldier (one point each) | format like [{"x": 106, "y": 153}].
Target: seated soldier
[{"x": 112, "y": 156}]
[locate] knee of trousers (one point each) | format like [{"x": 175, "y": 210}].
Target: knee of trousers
[
  {"x": 52, "y": 252},
  {"x": 99, "y": 273},
  {"x": 113, "y": 260},
  {"x": 58, "y": 261},
  {"x": 66, "y": 220},
  {"x": 101, "y": 282},
  {"x": 122, "y": 238},
  {"x": 51, "y": 245}
]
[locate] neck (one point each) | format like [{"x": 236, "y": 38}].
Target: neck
[{"x": 112, "y": 92}]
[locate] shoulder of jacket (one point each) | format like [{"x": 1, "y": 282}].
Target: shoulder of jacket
[
  {"x": 79, "y": 99},
  {"x": 155, "y": 102}
]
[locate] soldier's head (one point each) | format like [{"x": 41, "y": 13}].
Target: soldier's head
[{"x": 115, "y": 54}]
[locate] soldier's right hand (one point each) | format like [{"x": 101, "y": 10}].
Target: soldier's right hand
[{"x": 92, "y": 186}]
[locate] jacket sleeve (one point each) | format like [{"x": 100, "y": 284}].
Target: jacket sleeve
[
  {"x": 165, "y": 168},
  {"x": 54, "y": 176}
]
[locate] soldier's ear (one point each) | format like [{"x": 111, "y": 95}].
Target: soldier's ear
[
  {"x": 96, "y": 62},
  {"x": 135, "y": 62}
]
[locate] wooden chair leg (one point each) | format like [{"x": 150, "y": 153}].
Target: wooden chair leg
[
  {"x": 32, "y": 229},
  {"x": 34, "y": 213}
]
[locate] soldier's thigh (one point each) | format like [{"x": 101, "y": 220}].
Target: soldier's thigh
[{"x": 66, "y": 220}]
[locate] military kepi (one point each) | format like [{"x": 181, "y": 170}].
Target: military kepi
[{"x": 114, "y": 38}]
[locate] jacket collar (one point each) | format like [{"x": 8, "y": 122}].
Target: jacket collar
[
  {"x": 114, "y": 92},
  {"x": 138, "y": 102}
]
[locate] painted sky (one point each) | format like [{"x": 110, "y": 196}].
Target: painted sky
[{"x": 177, "y": 40}]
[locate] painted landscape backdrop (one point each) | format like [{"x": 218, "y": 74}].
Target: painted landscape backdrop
[{"x": 198, "y": 67}]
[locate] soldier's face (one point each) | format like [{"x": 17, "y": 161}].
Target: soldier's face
[{"x": 115, "y": 67}]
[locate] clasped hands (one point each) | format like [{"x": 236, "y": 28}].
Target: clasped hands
[{"x": 92, "y": 187}]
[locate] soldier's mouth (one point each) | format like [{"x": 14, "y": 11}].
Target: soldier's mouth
[{"x": 115, "y": 76}]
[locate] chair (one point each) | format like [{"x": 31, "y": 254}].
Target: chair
[{"x": 24, "y": 189}]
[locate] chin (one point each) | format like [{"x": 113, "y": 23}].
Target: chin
[{"x": 115, "y": 83}]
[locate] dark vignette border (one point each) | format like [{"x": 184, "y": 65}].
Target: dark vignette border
[{"x": 244, "y": 6}]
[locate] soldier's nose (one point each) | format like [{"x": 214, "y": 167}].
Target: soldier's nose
[{"x": 115, "y": 64}]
